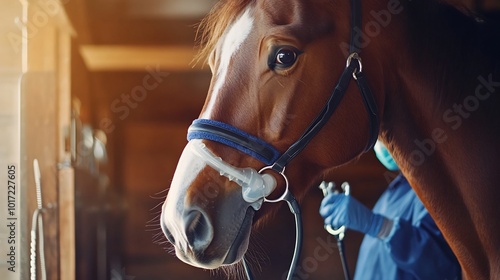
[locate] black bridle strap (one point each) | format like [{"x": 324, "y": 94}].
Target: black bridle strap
[
  {"x": 329, "y": 108},
  {"x": 338, "y": 94},
  {"x": 371, "y": 109},
  {"x": 320, "y": 120},
  {"x": 354, "y": 46}
]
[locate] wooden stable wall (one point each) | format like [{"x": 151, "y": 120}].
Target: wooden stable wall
[
  {"x": 45, "y": 118},
  {"x": 11, "y": 69},
  {"x": 35, "y": 72}
]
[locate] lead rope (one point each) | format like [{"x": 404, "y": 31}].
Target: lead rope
[{"x": 295, "y": 209}]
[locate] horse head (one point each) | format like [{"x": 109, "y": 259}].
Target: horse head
[{"x": 275, "y": 65}]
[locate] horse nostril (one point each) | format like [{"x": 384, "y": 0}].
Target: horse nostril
[{"x": 199, "y": 231}]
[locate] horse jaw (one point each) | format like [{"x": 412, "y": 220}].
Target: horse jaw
[{"x": 205, "y": 216}]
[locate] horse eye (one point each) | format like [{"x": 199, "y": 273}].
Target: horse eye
[
  {"x": 283, "y": 57},
  {"x": 286, "y": 57}
]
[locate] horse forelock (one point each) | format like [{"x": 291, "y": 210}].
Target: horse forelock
[
  {"x": 213, "y": 26},
  {"x": 225, "y": 12},
  {"x": 229, "y": 44}
]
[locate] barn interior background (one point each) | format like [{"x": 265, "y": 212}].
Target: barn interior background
[{"x": 107, "y": 93}]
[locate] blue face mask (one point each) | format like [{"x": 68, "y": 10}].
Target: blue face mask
[{"x": 384, "y": 156}]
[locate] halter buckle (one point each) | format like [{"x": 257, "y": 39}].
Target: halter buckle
[{"x": 354, "y": 55}]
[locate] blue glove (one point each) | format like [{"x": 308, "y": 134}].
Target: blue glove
[{"x": 339, "y": 209}]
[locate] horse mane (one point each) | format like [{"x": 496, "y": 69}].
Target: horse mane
[{"x": 212, "y": 26}]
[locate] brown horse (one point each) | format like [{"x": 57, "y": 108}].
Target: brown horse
[{"x": 435, "y": 76}]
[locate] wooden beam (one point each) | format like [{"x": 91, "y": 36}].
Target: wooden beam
[
  {"x": 78, "y": 14},
  {"x": 138, "y": 58},
  {"x": 180, "y": 9}
]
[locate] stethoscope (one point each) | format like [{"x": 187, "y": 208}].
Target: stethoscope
[{"x": 338, "y": 233}]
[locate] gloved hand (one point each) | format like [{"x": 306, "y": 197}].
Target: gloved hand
[{"x": 339, "y": 209}]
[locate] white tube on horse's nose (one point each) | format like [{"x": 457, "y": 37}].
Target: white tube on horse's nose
[
  {"x": 255, "y": 186},
  {"x": 258, "y": 186}
]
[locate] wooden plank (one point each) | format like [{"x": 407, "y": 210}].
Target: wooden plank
[
  {"x": 67, "y": 223},
  {"x": 138, "y": 58},
  {"x": 45, "y": 114},
  {"x": 66, "y": 176}
]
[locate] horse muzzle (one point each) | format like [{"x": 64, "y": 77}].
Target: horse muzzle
[
  {"x": 206, "y": 216},
  {"x": 199, "y": 244}
]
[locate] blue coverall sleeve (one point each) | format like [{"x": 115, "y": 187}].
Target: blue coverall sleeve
[{"x": 420, "y": 249}]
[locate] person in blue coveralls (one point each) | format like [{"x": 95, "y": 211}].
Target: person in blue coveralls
[{"x": 401, "y": 239}]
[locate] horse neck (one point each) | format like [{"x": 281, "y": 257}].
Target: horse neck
[
  {"x": 441, "y": 120},
  {"x": 444, "y": 85}
]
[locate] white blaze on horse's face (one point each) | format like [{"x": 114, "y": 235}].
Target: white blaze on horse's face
[
  {"x": 231, "y": 42},
  {"x": 207, "y": 216}
]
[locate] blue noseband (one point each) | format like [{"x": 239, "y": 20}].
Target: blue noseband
[{"x": 233, "y": 137}]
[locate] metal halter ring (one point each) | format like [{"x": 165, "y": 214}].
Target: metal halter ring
[
  {"x": 354, "y": 55},
  {"x": 285, "y": 194}
]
